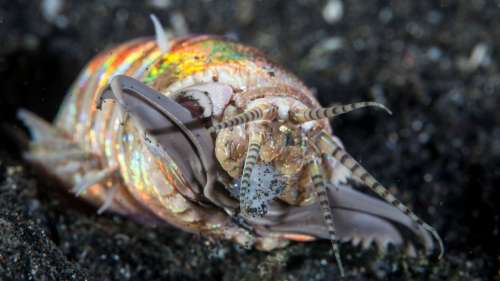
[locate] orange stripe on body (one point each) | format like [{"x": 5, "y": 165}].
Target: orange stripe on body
[{"x": 298, "y": 237}]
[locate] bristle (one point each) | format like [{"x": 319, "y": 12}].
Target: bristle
[
  {"x": 91, "y": 178},
  {"x": 108, "y": 202}
]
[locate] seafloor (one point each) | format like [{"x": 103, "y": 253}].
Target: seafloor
[{"x": 434, "y": 63}]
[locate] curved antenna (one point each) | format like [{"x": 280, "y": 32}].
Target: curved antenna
[
  {"x": 161, "y": 35},
  {"x": 250, "y": 161},
  {"x": 330, "y": 112},
  {"x": 322, "y": 196},
  {"x": 342, "y": 156},
  {"x": 256, "y": 113}
]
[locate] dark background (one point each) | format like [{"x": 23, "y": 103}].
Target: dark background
[{"x": 434, "y": 63}]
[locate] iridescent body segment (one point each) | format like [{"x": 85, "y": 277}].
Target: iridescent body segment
[
  {"x": 280, "y": 173},
  {"x": 117, "y": 141}
]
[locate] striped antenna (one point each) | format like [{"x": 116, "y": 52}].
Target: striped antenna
[
  {"x": 250, "y": 161},
  {"x": 330, "y": 112},
  {"x": 365, "y": 177},
  {"x": 321, "y": 195},
  {"x": 259, "y": 112}
]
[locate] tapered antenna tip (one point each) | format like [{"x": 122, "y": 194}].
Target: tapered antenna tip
[
  {"x": 161, "y": 36},
  {"x": 385, "y": 108}
]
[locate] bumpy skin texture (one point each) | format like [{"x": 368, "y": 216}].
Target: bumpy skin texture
[{"x": 150, "y": 186}]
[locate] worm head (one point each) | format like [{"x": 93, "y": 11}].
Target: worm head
[
  {"x": 287, "y": 135},
  {"x": 265, "y": 153},
  {"x": 284, "y": 164}
]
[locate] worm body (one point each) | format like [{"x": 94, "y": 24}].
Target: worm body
[{"x": 213, "y": 138}]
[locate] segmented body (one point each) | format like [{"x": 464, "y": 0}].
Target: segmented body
[
  {"x": 278, "y": 165},
  {"x": 118, "y": 142}
]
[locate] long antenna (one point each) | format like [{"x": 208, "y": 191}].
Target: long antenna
[
  {"x": 322, "y": 196},
  {"x": 250, "y": 161},
  {"x": 365, "y": 177},
  {"x": 256, "y": 113},
  {"x": 330, "y": 112}
]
